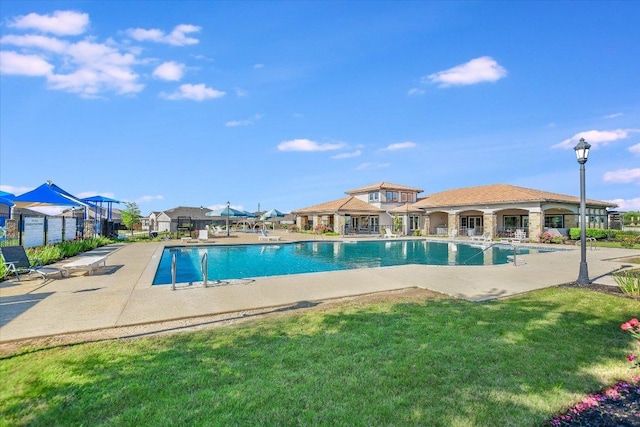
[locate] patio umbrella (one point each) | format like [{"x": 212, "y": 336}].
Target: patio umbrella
[
  {"x": 273, "y": 213},
  {"x": 227, "y": 212}
]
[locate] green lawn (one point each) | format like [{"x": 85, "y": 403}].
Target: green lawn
[{"x": 440, "y": 362}]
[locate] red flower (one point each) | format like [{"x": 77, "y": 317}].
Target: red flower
[
  {"x": 626, "y": 326},
  {"x": 632, "y": 357},
  {"x": 633, "y": 322}
]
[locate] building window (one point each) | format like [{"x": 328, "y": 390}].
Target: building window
[
  {"x": 374, "y": 197},
  {"x": 414, "y": 223},
  {"x": 392, "y": 196},
  {"x": 554, "y": 221},
  {"x": 406, "y": 197}
]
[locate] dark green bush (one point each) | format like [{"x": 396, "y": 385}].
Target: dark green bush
[{"x": 596, "y": 233}]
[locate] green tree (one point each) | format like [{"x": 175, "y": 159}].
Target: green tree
[
  {"x": 131, "y": 215},
  {"x": 631, "y": 218}
]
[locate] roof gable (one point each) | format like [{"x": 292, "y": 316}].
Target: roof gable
[
  {"x": 383, "y": 185},
  {"x": 347, "y": 204}
]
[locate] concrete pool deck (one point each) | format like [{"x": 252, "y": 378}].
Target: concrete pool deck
[{"x": 121, "y": 293}]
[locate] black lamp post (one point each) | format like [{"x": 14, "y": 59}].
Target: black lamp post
[
  {"x": 582, "y": 153},
  {"x": 228, "y": 212}
]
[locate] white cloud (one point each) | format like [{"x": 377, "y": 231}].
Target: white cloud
[
  {"x": 246, "y": 122},
  {"x": 50, "y": 44},
  {"x": 400, "y": 146},
  {"x": 596, "y": 137},
  {"x": 170, "y": 70},
  {"x": 258, "y": 66},
  {"x": 415, "y": 91},
  {"x": 197, "y": 92},
  {"x": 627, "y": 205},
  {"x": 635, "y": 149},
  {"x": 356, "y": 153},
  {"x": 147, "y": 199},
  {"x": 308, "y": 145},
  {"x": 23, "y": 65},
  {"x": 623, "y": 175},
  {"x": 62, "y": 23},
  {"x": 612, "y": 116},
  {"x": 177, "y": 37},
  {"x": 369, "y": 165},
  {"x": 478, "y": 70}
]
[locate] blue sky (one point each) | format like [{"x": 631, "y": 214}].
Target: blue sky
[{"x": 289, "y": 104}]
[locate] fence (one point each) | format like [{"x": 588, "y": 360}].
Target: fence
[{"x": 31, "y": 231}]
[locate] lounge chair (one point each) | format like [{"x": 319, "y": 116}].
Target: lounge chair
[
  {"x": 520, "y": 236},
  {"x": 217, "y": 230},
  {"x": 17, "y": 262},
  {"x": 388, "y": 234},
  {"x": 264, "y": 235},
  {"x": 453, "y": 233},
  {"x": 91, "y": 263},
  {"x": 486, "y": 237},
  {"x": 203, "y": 235}
]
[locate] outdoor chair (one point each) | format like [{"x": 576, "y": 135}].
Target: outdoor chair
[
  {"x": 389, "y": 234},
  {"x": 486, "y": 237},
  {"x": 266, "y": 236},
  {"x": 17, "y": 262}
]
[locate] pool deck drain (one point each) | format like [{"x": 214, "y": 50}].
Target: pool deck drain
[{"x": 121, "y": 294}]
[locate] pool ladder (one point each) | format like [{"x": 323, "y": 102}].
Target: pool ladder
[{"x": 204, "y": 267}]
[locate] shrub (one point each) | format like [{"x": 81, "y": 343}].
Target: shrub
[
  {"x": 293, "y": 228},
  {"x": 628, "y": 240},
  {"x": 596, "y": 233},
  {"x": 321, "y": 229},
  {"x": 629, "y": 281},
  {"x": 547, "y": 237},
  {"x": 43, "y": 255},
  {"x": 417, "y": 233}
]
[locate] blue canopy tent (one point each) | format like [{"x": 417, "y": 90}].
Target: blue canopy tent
[
  {"x": 48, "y": 194},
  {"x": 7, "y": 200},
  {"x": 99, "y": 201}
]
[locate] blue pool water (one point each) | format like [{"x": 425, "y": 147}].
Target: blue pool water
[{"x": 247, "y": 261}]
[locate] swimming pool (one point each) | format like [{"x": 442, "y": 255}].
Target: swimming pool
[{"x": 248, "y": 261}]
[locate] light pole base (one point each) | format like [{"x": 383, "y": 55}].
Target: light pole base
[{"x": 583, "y": 276}]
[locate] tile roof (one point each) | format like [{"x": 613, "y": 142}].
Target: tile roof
[
  {"x": 383, "y": 186},
  {"x": 497, "y": 194},
  {"x": 344, "y": 205}
]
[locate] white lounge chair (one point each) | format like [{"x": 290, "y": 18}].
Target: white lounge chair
[
  {"x": 264, "y": 235},
  {"x": 217, "y": 230},
  {"x": 388, "y": 234},
  {"x": 486, "y": 237},
  {"x": 203, "y": 235},
  {"x": 91, "y": 263},
  {"x": 520, "y": 236}
]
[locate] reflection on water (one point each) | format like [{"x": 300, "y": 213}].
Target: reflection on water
[{"x": 246, "y": 261}]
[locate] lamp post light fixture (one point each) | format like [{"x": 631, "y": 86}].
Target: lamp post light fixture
[
  {"x": 228, "y": 212},
  {"x": 582, "y": 153}
]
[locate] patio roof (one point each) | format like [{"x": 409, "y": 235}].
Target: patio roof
[{"x": 346, "y": 205}]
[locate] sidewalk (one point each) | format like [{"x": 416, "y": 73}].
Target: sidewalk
[{"x": 121, "y": 293}]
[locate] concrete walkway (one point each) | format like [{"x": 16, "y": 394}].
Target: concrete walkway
[{"x": 121, "y": 293}]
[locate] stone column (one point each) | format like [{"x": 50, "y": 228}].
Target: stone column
[
  {"x": 426, "y": 224},
  {"x": 535, "y": 225},
  {"x": 89, "y": 228},
  {"x": 454, "y": 222},
  {"x": 490, "y": 223}
]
